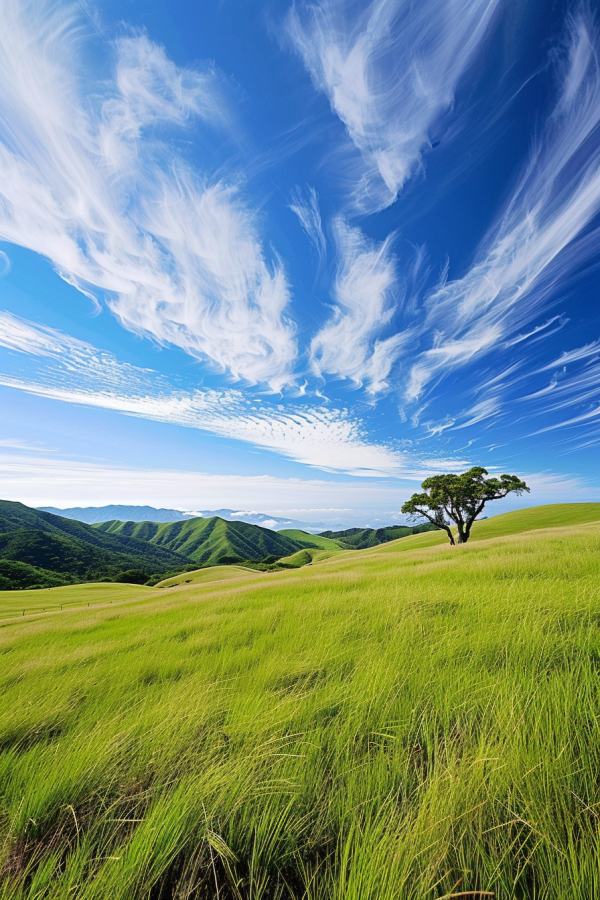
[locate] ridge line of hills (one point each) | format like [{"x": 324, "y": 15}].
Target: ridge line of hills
[
  {"x": 39, "y": 549},
  {"x": 93, "y": 515}
]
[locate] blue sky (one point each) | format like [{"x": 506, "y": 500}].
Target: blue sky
[{"x": 296, "y": 257}]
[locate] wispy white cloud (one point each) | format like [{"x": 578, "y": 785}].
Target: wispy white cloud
[
  {"x": 307, "y": 210},
  {"x": 73, "y": 371},
  {"x": 570, "y": 356},
  {"x": 488, "y": 408},
  {"x": 556, "y": 487},
  {"x": 65, "y": 482},
  {"x": 539, "y": 240},
  {"x": 570, "y": 401},
  {"x": 350, "y": 344},
  {"x": 551, "y": 326},
  {"x": 89, "y": 179},
  {"x": 18, "y": 444},
  {"x": 389, "y": 70}
]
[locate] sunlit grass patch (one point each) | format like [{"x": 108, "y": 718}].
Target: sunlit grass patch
[{"x": 380, "y": 724}]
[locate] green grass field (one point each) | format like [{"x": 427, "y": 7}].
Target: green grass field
[
  {"x": 388, "y": 723},
  {"x": 17, "y": 603}
]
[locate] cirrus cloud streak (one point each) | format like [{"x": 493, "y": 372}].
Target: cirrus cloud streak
[
  {"x": 543, "y": 235},
  {"x": 73, "y": 371},
  {"x": 389, "y": 69},
  {"x": 91, "y": 179}
]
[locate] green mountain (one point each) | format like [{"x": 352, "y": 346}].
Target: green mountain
[
  {"x": 40, "y": 549},
  {"x": 207, "y": 542},
  {"x": 361, "y": 538},
  {"x": 73, "y": 551}
]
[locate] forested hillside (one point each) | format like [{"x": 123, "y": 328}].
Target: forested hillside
[
  {"x": 208, "y": 541},
  {"x": 40, "y": 549}
]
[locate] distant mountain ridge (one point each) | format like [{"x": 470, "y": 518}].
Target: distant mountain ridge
[{"x": 92, "y": 515}]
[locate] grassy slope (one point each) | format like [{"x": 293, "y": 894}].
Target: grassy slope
[
  {"x": 386, "y": 724},
  {"x": 207, "y": 541},
  {"x": 208, "y": 574},
  {"x": 553, "y": 515},
  {"x": 310, "y": 540},
  {"x": 304, "y": 558},
  {"x": 67, "y": 596}
]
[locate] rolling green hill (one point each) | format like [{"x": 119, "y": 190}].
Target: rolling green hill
[
  {"x": 389, "y": 724},
  {"x": 207, "y": 542},
  {"x": 553, "y": 515},
  {"x": 310, "y": 540},
  {"x": 208, "y": 575},
  {"x": 361, "y": 538},
  {"x": 304, "y": 558},
  {"x": 78, "y": 560},
  {"x": 18, "y": 576}
]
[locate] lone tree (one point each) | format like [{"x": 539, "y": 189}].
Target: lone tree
[{"x": 460, "y": 498}]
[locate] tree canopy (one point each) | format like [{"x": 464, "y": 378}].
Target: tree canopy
[{"x": 459, "y": 499}]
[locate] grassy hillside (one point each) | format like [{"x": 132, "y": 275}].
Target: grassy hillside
[
  {"x": 385, "y": 725},
  {"x": 303, "y": 558},
  {"x": 207, "y": 575},
  {"x": 207, "y": 541},
  {"x": 32, "y": 602},
  {"x": 310, "y": 540},
  {"x": 226, "y": 573},
  {"x": 554, "y": 515},
  {"x": 551, "y": 516}
]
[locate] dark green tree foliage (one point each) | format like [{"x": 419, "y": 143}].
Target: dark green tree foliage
[
  {"x": 18, "y": 576},
  {"x": 460, "y": 499},
  {"x": 132, "y": 576}
]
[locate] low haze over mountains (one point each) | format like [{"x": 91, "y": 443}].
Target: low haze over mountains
[{"x": 94, "y": 514}]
